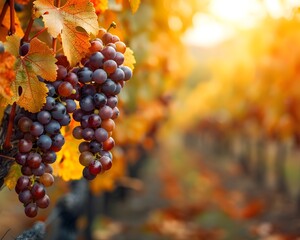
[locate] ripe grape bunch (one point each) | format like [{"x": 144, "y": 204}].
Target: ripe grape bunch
[
  {"x": 94, "y": 86},
  {"x": 39, "y": 139},
  {"x": 102, "y": 77}
]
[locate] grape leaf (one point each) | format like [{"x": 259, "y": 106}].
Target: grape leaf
[
  {"x": 67, "y": 165},
  {"x": 39, "y": 61},
  {"x": 74, "y": 22},
  {"x": 4, "y": 27},
  {"x": 14, "y": 173},
  {"x": 129, "y": 58},
  {"x": 134, "y": 4},
  {"x": 7, "y": 74},
  {"x": 100, "y": 5}
]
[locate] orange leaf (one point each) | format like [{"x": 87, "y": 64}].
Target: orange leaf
[
  {"x": 7, "y": 74},
  {"x": 39, "y": 61},
  {"x": 74, "y": 22},
  {"x": 4, "y": 27},
  {"x": 134, "y": 4},
  {"x": 100, "y": 5}
]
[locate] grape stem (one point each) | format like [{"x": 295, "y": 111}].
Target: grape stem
[
  {"x": 57, "y": 3},
  {"x": 3, "y": 12},
  {"x": 28, "y": 30},
  {"x": 54, "y": 43},
  {"x": 7, "y": 157},
  {"x": 112, "y": 25},
  {"x": 7, "y": 143},
  {"x": 12, "y": 29},
  {"x": 38, "y": 33}
]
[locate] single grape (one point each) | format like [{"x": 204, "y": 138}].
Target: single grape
[
  {"x": 109, "y": 53},
  {"x": 77, "y": 132},
  {"x": 87, "y": 103},
  {"x": 21, "y": 158},
  {"x": 25, "y": 196},
  {"x": 71, "y": 78},
  {"x": 87, "y": 174},
  {"x": 118, "y": 75},
  {"x": 39, "y": 171},
  {"x": 38, "y": 191},
  {"x": 88, "y": 134},
  {"x": 99, "y": 99},
  {"x": 49, "y": 157},
  {"x": 112, "y": 101},
  {"x": 99, "y": 76},
  {"x": 53, "y": 127},
  {"x": 34, "y": 160},
  {"x": 44, "y": 117},
  {"x": 127, "y": 71},
  {"x": 65, "y": 89},
  {"x": 58, "y": 111},
  {"x": 94, "y": 121},
  {"x": 43, "y": 202},
  {"x": 119, "y": 58},
  {"x": 85, "y": 75},
  {"x": 23, "y": 182},
  {"x": 106, "y": 162},
  {"x": 108, "y": 144},
  {"x": 61, "y": 72},
  {"x": 44, "y": 142},
  {"x": 105, "y": 112},
  {"x": 96, "y": 60},
  {"x": 31, "y": 210},
  {"x": 70, "y": 105},
  {"x": 36, "y": 129},
  {"x": 24, "y": 49},
  {"x": 84, "y": 146},
  {"x": 24, "y": 145},
  {"x": 47, "y": 179},
  {"x": 24, "y": 124},
  {"x": 86, "y": 158},
  {"x": 121, "y": 47},
  {"x": 95, "y": 167},
  {"x": 110, "y": 66},
  {"x": 101, "y": 135}
]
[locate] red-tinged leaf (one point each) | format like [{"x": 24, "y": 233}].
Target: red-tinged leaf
[
  {"x": 39, "y": 61},
  {"x": 69, "y": 21}
]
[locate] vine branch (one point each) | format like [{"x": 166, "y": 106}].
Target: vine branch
[{"x": 12, "y": 29}]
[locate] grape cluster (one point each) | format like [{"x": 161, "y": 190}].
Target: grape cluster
[
  {"x": 39, "y": 139},
  {"x": 102, "y": 77},
  {"x": 94, "y": 86}
]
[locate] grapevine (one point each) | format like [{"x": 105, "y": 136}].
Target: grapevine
[{"x": 47, "y": 89}]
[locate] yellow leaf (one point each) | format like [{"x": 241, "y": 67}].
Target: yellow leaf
[
  {"x": 7, "y": 74},
  {"x": 74, "y": 22},
  {"x": 129, "y": 58},
  {"x": 134, "y": 4},
  {"x": 100, "y": 5},
  {"x": 39, "y": 61},
  {"x": 67, "y": 165},
  {"x": 4, "y": 27},
  {"x": 11, "y": 179}
]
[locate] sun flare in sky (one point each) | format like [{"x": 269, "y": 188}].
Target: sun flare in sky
[{"x": 225, "y": 17}]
